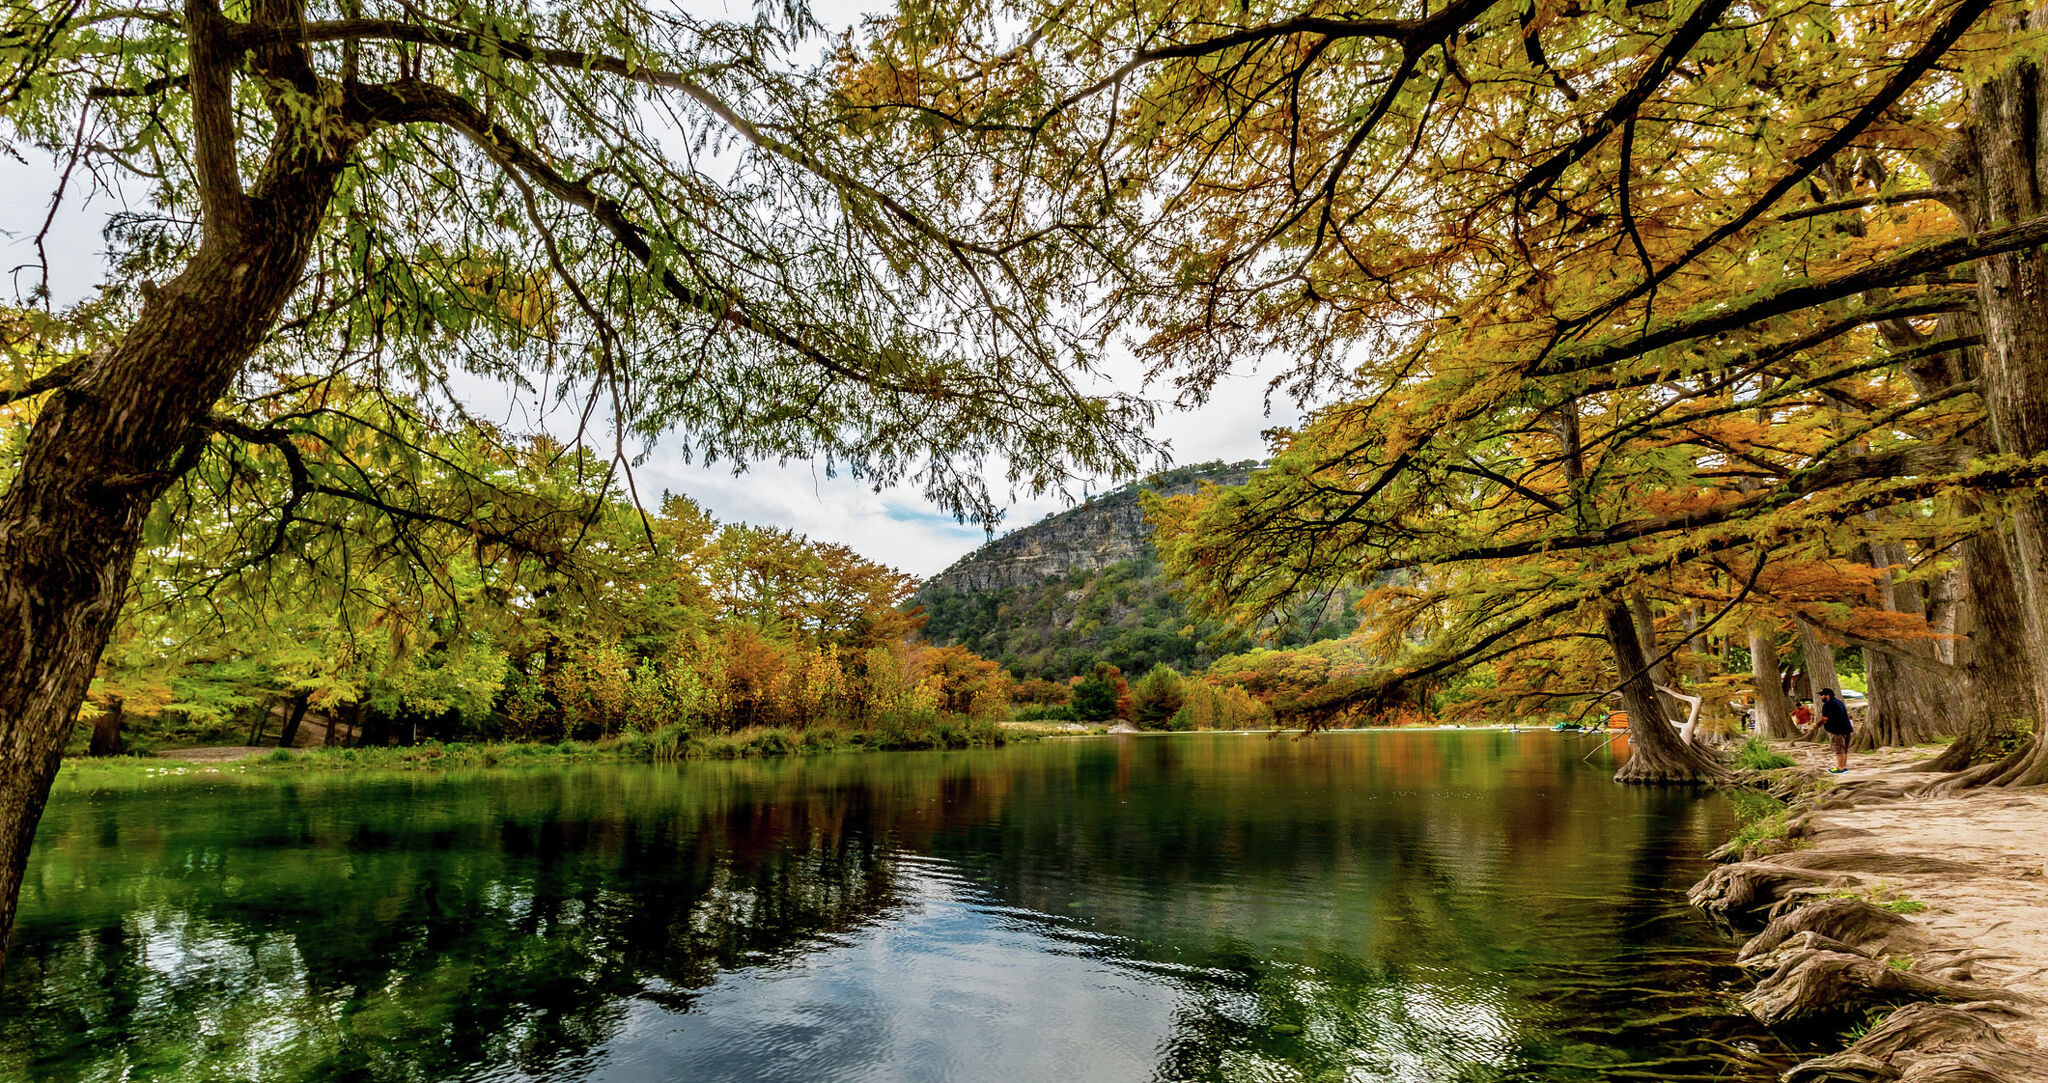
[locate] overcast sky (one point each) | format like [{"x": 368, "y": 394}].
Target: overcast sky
[{"x": 895, "y": 526}]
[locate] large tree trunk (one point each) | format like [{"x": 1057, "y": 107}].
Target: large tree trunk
[
  {"x": 106, "y": 444},
  {"x": 2001, "y": 673},
  {"x": 295, "y": 714},
  {"x": 1914, "y": 697},
  {"x": 1820, "y": 665},
  {"x": 1774, "y": 707},
  {"x": 1995, "y": 164},
  {"x": 1656, "y": 754},
  {"x": 1913, "y": 700},
  {"x": 106, "y": 730}
]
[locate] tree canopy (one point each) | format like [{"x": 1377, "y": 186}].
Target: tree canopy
[
  {"x": 1696, "y": 300},
  {"x": 657, "y": 219}
]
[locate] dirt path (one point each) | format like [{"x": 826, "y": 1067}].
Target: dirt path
[
  {"x": 214, "y": 754},
  {"x": 1883, "y": 897},
  {"x": 1999, "y": 908}
]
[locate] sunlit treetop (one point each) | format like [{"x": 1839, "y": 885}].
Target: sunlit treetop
[{"x": 653, "y": 217}]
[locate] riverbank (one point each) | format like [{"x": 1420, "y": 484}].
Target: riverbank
[
  {"x": 1913, "y": 923},
  {"x": 660, "y": 745},
  {"x": 664, "y": 745}
]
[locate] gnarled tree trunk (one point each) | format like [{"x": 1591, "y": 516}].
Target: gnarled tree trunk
[
  {"x": 2001, "y": 673},
  {"x": 1914, "y": 697},
  {"x": 1995, "y": 165},
  {"x": 108, "y": 442},
  {"x": 1820, "y": 664},
  {"x": 1773, "y": 706},
  {"x": 1656, "y": 753}
]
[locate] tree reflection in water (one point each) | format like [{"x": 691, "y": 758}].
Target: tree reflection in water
[{"x": 1385, "y": 906}]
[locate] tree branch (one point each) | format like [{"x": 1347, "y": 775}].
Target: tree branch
[
  {"x": 1801, "y": 293},
  {"x": 57, "y": 377}
]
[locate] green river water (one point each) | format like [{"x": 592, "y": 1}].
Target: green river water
[{"x": 1420, "y": 907}]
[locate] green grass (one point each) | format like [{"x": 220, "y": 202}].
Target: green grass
[
  {"x": 1885, "y": 897},
  {"x": 1758, "y": 755},
  {"x": 1761, "y": 817},
  {"x": 1872, "y": 1019},
  {"x": 666, "y": 744}
]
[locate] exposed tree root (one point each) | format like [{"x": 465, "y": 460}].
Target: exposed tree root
[
  {"x": 1853, "y": 922},
  {"x": 1749, "y": 890},
  {"x": 1827, "y": 959},
  {"x": 1826, "y": 984},
  {"x": 1931, "y": 1043}
]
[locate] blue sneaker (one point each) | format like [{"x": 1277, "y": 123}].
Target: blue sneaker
[{"x": 1837, "y": 770}]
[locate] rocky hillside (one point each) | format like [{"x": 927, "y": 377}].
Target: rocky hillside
[
  {"x": 1109, "y": 529},
  {"x": 1052, "y": 599}
]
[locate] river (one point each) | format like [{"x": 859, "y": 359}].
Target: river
[{"x": 1396, "y": 907}]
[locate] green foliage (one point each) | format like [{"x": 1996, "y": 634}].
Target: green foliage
[
  {"x": 599, "y": 625},
  {"x": 1040, "y": 712},
  {"x": 2013, "y": 737},
  {"x": 1759, "y": 816},
  {"x": 666, "y": 744},
  {"x": 1885, "y": 896},
  {"x": 1157, "y": 698},
  {"x": 1095, "y": 698},
  {"x": 1125, "y": 613},
  {"x": 1758, "y": 755},
  {"x": 1206, "y": 706}
]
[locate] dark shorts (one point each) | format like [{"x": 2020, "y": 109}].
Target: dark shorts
[{"x": 1839, "y": 742}]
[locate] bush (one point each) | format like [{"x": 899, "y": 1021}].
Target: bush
[
  {"x": 1758, "y": 755},
  {"x": 1063, "y": 712},
  {"x": 1157, "y": 698},
  {"x": 1094, "y": 700}
]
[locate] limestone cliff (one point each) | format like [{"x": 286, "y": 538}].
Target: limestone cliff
[{"x": 1108, "y": 529}]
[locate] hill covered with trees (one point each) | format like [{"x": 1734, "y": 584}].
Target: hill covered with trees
[{"x": 1083, "y": 586}]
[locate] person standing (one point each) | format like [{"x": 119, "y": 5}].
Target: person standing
[{"x": 1834, "y": 718}]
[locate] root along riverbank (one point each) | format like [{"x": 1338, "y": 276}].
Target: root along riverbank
[{"x": 1910, "y": 920}]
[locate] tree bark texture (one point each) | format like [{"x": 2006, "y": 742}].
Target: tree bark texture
[
  {"x": 1914, "y": 697},
  {"x": 2001, "y": 677},
  {"x": 108, "y": 443},
  {"x": 1995, "y": 164},
  {"x": 1773, "y": 706},
  {"x": 1820, "y": 664},
  {"x": 1656, "y": 754}
]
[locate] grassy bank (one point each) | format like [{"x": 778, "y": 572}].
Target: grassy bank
[{"x": 671, "y": 743}]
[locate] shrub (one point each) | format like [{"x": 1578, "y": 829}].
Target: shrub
[
  {"x": 1157, "y": 697},
  {"x": 1758, "y": 755},
  {"x": 1095, "y": 699}
]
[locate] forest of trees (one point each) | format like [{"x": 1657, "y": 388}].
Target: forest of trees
[{"x": 594, "y": 617}]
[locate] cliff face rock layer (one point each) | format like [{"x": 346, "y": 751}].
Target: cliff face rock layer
[{"x": 1107, "y": 530}]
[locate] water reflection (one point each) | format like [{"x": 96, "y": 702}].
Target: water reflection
[{"x": 1386, "y": 907}]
